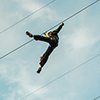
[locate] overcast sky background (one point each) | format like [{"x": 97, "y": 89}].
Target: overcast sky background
[{"x": 79, "y": 41}]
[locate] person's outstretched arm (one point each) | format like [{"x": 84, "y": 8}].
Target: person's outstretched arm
[{"x": 55, "y": 32}]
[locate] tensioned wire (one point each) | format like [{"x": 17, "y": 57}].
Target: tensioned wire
[
  {"x": 26, "y": 17},
  {"x": 96, "y": 98},
  {"x": 61, "y": 77},
  {"x": 66, "y": 72},
  {"x": 51, "y": 28}
]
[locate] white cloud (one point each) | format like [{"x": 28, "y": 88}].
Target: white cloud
[
  {"x": 19, "y": 74},
  {"x": 12, "y": 37},
  {"x": 81, "y": 38},
  {"x": 32, "y": 6},
  {"x": 29, "y": 5}
]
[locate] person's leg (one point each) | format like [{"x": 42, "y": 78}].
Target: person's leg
[
  {"x": 45, "y": 58},
  {"x": 39, "y": 37},
  {"x": 42, "y": 38}
]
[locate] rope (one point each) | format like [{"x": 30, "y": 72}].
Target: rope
[
  {"x": 62, "y": 76},
  {"x": 50, "y": 28},
  {"x": 26, "y": 17}
]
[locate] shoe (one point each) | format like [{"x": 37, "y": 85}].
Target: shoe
[
  {"x": 39, "y": 70},
  {"x": 29, "y": 34}
]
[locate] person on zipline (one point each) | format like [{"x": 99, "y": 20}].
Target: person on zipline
[{"x": 51, "y": 38}]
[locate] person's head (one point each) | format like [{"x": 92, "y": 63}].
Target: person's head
[{"x": 49, "y": 33}]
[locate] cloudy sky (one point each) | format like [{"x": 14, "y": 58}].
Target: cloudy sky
[{"x": 79, "y": 42}]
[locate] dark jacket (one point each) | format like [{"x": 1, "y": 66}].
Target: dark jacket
[{"x": 55, "y": 33}]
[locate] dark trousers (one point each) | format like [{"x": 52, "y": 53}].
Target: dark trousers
[{"x": 53, "y": 44}]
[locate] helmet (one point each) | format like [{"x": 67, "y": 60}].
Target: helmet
[{"x": 49, "y": 31}]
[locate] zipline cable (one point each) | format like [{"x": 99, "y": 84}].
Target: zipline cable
[
  {"x": 61, "y": 76},
  {"x": 16, "y": 49},
  {"x": 96, "y": 98},
  {"x": 74, "y": 14},
  {"x": 27, "y": 17},
  {"x": 50, "y": 28}
]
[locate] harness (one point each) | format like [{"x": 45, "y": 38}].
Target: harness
[{"x": 51, "y": 45}]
